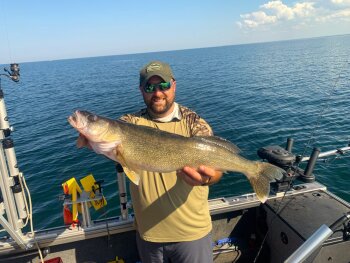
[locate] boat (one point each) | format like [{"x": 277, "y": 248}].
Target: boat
[{"x": 302, "y": 221}]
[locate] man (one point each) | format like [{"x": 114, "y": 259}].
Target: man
[{"x": 171, "y": 209}]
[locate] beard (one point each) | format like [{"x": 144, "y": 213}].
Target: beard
[{"x": 159, "y": 105}]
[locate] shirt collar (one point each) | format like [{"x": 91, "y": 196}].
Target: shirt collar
[{"x": 175, "y": 114}]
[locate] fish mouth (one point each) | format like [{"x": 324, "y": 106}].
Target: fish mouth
[{"x": 77, "y": 120}]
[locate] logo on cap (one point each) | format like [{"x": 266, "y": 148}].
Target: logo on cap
[{"x": 153, "y": 67}]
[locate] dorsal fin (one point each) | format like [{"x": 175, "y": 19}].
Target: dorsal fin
[{"x": 221, "y": 142}]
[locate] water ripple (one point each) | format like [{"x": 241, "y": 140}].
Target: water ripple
[{"x": 254, "y": 95}]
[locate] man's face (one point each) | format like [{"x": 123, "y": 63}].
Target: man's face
[{"x": 159, "y": 103}]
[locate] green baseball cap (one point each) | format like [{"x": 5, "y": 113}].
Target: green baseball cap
[{"x": 155, "y": 68}]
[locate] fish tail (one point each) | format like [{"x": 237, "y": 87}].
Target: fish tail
[{"x": 261, "y": 177}]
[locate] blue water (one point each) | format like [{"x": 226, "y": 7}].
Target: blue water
[{"x": 254, "y": 95}]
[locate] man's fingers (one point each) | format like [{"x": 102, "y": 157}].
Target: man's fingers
[
  {"x": 200, "y": 177},
  {"x": 192, "y": 173},
  {"x": 207, "y": 171},
  {"x": 189, "y": 180}
]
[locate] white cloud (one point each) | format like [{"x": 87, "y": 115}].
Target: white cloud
[
  {"x": 281, "y": 10},
  {"x": 341, "y": 2},
  {"x": 275, "y": 11},
  {"x": 304, "y": 9},
  {"x": 257, "y": 18},
  {"x": 300, "y": 14},
  {"x": 337, "y": 15}
]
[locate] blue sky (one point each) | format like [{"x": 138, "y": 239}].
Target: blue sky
[{"x": 33, "y": 30}]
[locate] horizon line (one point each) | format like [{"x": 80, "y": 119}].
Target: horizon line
[{"x": 174, "y": 50}]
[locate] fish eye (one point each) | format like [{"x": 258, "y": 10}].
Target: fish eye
[{"x": 92, "y": 118}]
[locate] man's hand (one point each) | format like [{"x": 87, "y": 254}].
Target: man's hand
[{"x": 204, "y": 175}]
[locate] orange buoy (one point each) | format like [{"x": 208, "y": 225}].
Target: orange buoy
[{"x": 67, "y": 215}]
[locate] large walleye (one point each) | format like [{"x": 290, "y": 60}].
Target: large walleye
[{"x": 139, "y": 148}]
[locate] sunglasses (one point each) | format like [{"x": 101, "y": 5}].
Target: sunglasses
[{"x": 149, "y": 88}]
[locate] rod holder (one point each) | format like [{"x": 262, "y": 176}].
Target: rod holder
[
  {"x": 289, "y": 146},
  {"x": 308, "y": 177},
  {"x": 122, "y": 192}
]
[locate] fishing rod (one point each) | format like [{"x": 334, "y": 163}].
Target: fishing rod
[
  {"x": 13, "y": 200},
  {"x": 13, "y": 73},
  {"x": 284, "y": 158},
  {"x": 338, "y": 152}
]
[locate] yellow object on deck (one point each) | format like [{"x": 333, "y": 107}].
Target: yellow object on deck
[
  {"x": 71, "y": 187},
  {"x": 117, "y": 260},
  {"x": 90, "y": 186}
]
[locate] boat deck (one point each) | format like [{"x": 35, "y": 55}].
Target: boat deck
[{"x": 241, "y": 220}]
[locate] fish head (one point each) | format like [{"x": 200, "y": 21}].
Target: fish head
[{"x": 92, "y": 126}]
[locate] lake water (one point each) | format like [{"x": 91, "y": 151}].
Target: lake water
[{"x": 253, "y": 95}]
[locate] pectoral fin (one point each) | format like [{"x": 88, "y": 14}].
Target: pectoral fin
[
  {"x": 82, "y": 141},
  {"x": 132, "y": 175}
]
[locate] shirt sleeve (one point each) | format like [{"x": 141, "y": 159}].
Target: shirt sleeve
[
  {"x": 201, "y": 128},
  {"x": 197, "y": 125},
  {"x": 127, "y": 118}
]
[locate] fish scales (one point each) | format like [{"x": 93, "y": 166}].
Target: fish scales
[
  {"x": 139, "y": 148},
  {"x": 146, "y": 147}
]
